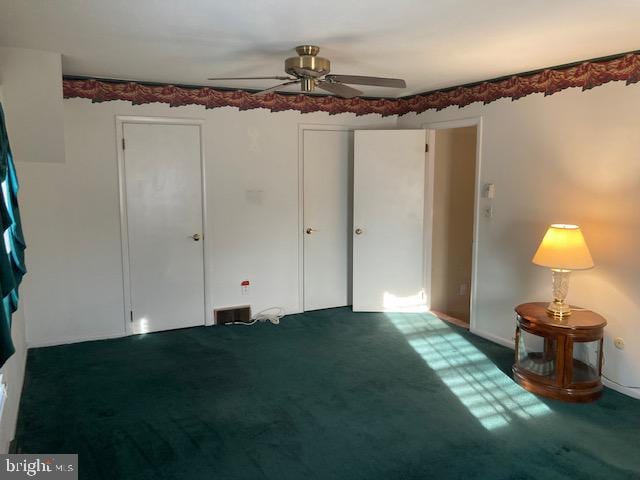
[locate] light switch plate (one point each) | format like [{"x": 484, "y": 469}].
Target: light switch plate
[{"x": 490, "y": 190}]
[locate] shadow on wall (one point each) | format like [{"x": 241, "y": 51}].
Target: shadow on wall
[{"x": 490, "y": 395}]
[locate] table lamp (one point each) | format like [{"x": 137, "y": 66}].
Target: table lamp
[{"x": 562, "y": 249}]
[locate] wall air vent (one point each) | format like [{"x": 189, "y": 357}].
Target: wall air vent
[{"x": 223, "y": 316}]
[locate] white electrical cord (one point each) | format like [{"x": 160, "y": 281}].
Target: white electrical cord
[
  {"x": 273, "y": 315},
  {"x": 632, "y": 387}
]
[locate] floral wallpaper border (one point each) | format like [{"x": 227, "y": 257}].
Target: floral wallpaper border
[{"x": 585, "y": 75}]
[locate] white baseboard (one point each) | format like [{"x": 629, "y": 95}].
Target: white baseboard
[
  {"x": 635, "y": 393},
  {"x": 494, "y": 338},
  {"x": 632, "y": 392},
  {"x": 67, "y": 340},
  {"x": 90, "y": 338}
]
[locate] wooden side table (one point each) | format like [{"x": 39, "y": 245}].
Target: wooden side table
[{"x": 557, "y": 357}]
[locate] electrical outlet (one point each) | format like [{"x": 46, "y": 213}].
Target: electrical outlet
[{"x": 488, "y": 211}]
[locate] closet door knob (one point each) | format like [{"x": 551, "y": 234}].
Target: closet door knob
[
  {"x": 196, "y": 237},
  {"x": 310, "y": 231},
  {"x": 358, "y": 231}
]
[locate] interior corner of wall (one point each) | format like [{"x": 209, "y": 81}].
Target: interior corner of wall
[{"x": 491, "y": 337}]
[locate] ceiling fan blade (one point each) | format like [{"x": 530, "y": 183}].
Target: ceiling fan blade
[
  {"x": 276, "y": 87},
  {"x": 339, "y": 89},
  {"x": 252, "y": 78},
  {"x": 363, "y": 80}
]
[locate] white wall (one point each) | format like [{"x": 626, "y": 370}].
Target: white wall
[
  {"x": 71, "y": 215},
  {"x": 32, "y": 85},
  {"x": 13, "y": 376},
  {"x": 573, "y": 157}
]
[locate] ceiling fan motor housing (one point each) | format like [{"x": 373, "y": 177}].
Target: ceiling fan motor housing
[{"x": 307, "y": 66}]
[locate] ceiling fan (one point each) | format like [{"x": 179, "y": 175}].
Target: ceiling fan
[{"x": 311, "y": 71}]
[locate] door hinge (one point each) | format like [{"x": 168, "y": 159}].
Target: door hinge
[
  {"x": 426, "y": 147},
  {"x": 123, "y": 143},
  {"x": 131, "y": 316}
]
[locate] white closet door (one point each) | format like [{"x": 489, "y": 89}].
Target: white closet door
[
  {"x": 162, "y": 169},
  {"x": 388, "y": 242},
  {"x": 328, "y": 166}
]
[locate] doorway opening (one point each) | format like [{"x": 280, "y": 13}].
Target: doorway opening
[{"x": 454, "y": 211}]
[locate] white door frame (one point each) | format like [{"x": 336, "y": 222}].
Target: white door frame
[
  {"x": 301, "y": 129},
  {"x": 431, "y": 135},
  {"x": 121, "y": 120}
]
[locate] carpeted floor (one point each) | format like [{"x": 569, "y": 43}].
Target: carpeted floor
[{"x": 325, "y": 395}]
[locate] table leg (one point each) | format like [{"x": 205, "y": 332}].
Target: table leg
[
  {"x": 568, "y": 361},
  {"x": 560, "y": 361},
  {"x": 600, "y": 358},
  {"x": 549, "y": 350}
]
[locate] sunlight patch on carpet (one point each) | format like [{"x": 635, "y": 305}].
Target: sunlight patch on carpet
[
  {"x": 410, "y": 303},
  {"x": 488, "y": 393}
]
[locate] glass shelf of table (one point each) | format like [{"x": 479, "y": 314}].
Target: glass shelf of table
[
  {"x": 537, "y": 354},
  {"x": 586, "y": 357}
]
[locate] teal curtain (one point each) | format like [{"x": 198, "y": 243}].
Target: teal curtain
[{"x": 12, "y": 267}]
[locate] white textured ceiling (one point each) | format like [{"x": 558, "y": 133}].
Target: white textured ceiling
[{"x": 430, "y": 43}]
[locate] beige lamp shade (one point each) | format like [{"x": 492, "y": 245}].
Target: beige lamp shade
[{"x": 563, "y": 247}]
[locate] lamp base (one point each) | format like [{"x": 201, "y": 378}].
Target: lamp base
[{"x": 559, "y": 309}]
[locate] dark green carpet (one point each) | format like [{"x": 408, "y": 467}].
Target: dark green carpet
[{"x": 325, "y": 395}]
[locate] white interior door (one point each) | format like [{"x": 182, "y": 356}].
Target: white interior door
[
  {"x": 327, "y": 171},
  {"x": 163, "y": 180},
  {"x": 388, "y": 242}
]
